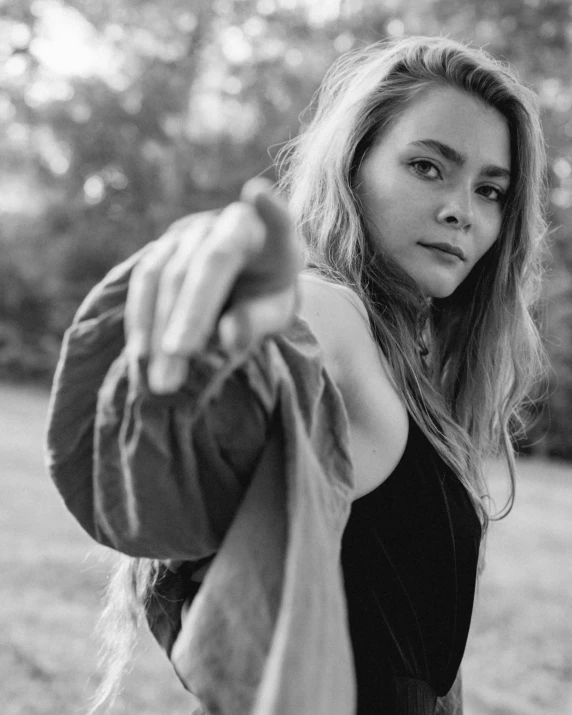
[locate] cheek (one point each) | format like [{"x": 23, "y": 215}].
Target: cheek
[
  {"x": 374, "y": 194},
  {"x": 390, "y": 225},
  {"x": 380, "y": 190},
  {"x": 489, "y": 236},
  {"x": 377, "y": 211},
  {"x": 389, "y": 206}
]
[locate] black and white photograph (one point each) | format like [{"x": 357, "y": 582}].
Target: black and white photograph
[{"x": 286, "y": 357}]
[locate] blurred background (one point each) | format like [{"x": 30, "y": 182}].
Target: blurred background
[{"x": 116, "y": 118}]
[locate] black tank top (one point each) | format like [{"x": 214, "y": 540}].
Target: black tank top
[{"x": 409, "y": 560}]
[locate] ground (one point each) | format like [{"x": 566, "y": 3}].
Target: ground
[{"x": 518, "y": 659}]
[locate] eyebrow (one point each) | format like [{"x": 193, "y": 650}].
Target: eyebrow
[{"x": 447, "y": 152}]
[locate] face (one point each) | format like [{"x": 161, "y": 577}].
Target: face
[{"x": 433, "y": 186}]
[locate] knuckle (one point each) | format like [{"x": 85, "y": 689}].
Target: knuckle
[
  {"x": 192, "y": 221},
  {"x": 220, "y": 255},
  {"x": 236, "y": 211},
  {"x": 174, "y": 272},
  {"x": 150, "y": 265},
  {"x": 146, "y": 271}
]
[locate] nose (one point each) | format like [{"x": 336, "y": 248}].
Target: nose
[{"x": 457, "y": 211}]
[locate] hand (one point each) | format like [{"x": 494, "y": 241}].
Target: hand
[{"x": 234, "y": 273}]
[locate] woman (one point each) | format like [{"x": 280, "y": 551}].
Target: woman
[{"x": 252, "y": 406}]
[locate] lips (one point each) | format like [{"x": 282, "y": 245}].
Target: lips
[{"x": 447, "y": 248}]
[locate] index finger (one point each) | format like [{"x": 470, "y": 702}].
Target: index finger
[{"x": 276, "y": 267}]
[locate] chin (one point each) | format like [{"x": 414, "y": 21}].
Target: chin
[
  {"x": 441, "y": 293},
  {"x": 438, "y": 289}
]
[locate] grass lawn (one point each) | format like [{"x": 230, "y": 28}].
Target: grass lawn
[{"x": 519, "y": 656}]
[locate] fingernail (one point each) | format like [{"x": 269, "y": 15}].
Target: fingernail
[
  {"x": 167, "y": 373},
  {"x": 173, "y": 344}
]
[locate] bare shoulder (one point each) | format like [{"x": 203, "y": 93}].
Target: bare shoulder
[
  {"x": 335, "y": 314},
  {"x": 376, "y": 411},
  {"x": 338, "y": 318},
  {"x": 314, "y": 286}
]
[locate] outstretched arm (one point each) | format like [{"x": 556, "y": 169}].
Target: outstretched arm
[{"x": 141, "y": 462}]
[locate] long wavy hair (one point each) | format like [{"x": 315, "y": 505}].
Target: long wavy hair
[{"x": 466, "y": 364}]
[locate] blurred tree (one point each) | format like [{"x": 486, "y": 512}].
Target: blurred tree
[{"x": 117, "y": 117}]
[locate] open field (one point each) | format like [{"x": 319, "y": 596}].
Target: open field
[{"x": 519, "y": 657}]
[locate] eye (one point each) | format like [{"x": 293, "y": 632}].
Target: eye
[
  {"x": 492, "y": 193},
  {"x": 425, "y": 168}
]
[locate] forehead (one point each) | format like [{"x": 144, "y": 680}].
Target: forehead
[{"x": 455, "y": 118}]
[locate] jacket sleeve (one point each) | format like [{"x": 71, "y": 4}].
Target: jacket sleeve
[{"x": 153, "y": 476}]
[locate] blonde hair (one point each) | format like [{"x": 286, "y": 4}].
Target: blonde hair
[
  {"x": 467, "y": 363},
  {"x": 464, "y": 363}
]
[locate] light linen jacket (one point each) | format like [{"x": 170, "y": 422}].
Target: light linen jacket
[{"x": 249, "y": 463}]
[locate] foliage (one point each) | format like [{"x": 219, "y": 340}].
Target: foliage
[{"x": 119, "y": 117}]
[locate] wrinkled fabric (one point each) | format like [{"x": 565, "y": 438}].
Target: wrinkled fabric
[
  {"x": 178, "y": 477},
  {"x": 248, "y": 463}
]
